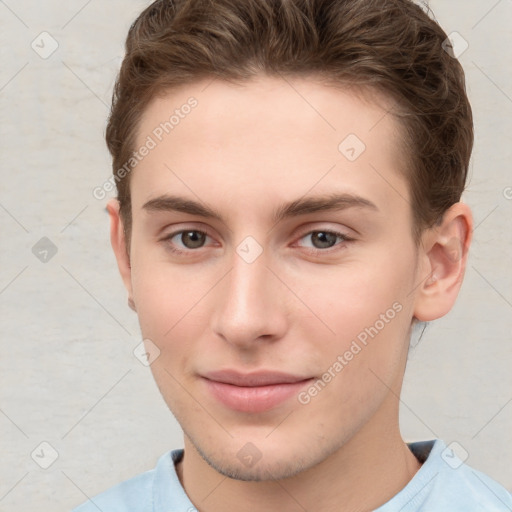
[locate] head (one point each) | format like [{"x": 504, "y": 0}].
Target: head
[{"x": 289, "y": 201}]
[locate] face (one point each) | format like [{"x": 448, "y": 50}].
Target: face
[{"x": 273, "y": 269}]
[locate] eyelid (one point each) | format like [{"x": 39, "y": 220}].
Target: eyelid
[
  {"x": 303, "y": 233},
  {"x": 174, "y": 231},
  {"x": 315, "y": 228},
  {"x": 345, "y": 238}
]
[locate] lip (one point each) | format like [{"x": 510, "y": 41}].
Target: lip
[{"x": 253, "y": 392}]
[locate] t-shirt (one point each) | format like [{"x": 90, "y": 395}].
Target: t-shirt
[{"x": 443, "y": 484}]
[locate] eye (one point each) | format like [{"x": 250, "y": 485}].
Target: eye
[
  {"x": 324, "y": 239},
  {"x": 187, "y": 239}
]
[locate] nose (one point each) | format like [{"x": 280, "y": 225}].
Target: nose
[{"x": 251, "y": 305}]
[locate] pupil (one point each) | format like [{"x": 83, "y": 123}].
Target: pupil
[
  {"x": 195, "y": 239},
  {"x": 324, "y": 239}
]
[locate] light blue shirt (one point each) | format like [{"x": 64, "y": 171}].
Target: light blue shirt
[{"x": 442, "y": 484}]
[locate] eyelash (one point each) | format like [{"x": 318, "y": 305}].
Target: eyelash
[
  {"x": 338, "y": 246},
  {"x": 342, "y": 236}
]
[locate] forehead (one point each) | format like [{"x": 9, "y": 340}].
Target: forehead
[{"x": 268, "y": 138}]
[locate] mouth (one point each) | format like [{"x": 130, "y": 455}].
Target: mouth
[{"x": 253, "y": 392}]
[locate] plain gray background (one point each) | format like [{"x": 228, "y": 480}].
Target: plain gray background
[{"x": 68, "y": 376}]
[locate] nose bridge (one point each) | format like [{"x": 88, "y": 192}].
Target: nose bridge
[{"x": 249, "y": 307}]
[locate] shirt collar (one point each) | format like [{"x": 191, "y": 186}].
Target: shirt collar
[{"x": 168, "y": 491}]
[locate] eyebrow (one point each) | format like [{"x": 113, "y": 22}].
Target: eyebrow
[{"x": 301, "y": 206}]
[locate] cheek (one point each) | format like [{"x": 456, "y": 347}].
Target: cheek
[
  {"x": 363, "y": 361},
  {"x": 170, "y": 303},
  {"x": 157, "y": 306},
  {"x": 356, "y": 297},
  {"x": 164, "y": 294},
  {"x": 368, "y": 308}
]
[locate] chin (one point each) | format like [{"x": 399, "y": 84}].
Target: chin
[
  {"x": 275, "y": 461},
  {"x": 261, "y": 471}
]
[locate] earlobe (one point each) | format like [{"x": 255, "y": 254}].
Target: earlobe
[
  {"x": 131, "y": 304},
  {"x": 118, "y": 242},
  {"x": 444, "y": 256}
]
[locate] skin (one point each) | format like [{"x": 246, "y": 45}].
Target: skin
[{"x": 244, "y": 151}]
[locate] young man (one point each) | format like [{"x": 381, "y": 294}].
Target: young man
[{"x": 289, "y": 176}]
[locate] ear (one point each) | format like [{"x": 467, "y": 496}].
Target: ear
[
  {"x": 442, "y": 263},
  {"x": 118, "y": 241}
]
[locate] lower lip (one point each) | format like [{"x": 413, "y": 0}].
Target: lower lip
[{"x": 256, "y": 398}]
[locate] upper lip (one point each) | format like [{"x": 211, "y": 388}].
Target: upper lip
[{"x": 259, "y": 378}]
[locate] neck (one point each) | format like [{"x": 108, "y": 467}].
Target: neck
[{"x": 362, "y": 475}]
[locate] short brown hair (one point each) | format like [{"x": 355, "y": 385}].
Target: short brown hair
[{"x": 391, "y": 46}]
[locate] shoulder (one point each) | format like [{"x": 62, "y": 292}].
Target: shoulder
[
  {"x": 137, "y": 493},
  {"x": 444, "y": 482},
  {"x": 465, "y": 488},
  {"x": 455, "y": 486}
]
